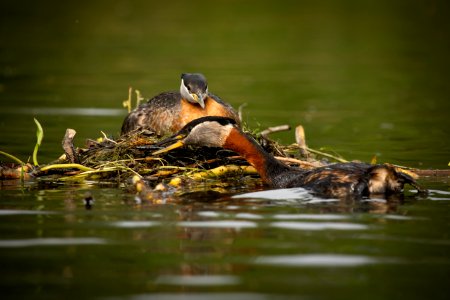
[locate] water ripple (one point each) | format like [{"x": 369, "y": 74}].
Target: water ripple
[
  {"x": 10, "y": 212},
  {"x": 319, "y": 226},
  {"x": 218, "y": 224},
  {"x": 209, "y": 214},
  {"x": 134, "y": 224},
  {"x": 309, "y": 217},
  {"x": 200, "y": 296},
  {"x": 319, "y": 260},
  {"x": 278, "y": 194},
  {"x": 438, "y": 195},
  {"x": 198, "y": 280},
  {"x": 248, "y": 216},
  {"x": 59, "y": 111},
  {"x": 51, "y": 242}
]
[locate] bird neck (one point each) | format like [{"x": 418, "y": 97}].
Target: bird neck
[{"x": 265, "y": 164}]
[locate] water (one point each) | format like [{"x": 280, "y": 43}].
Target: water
[
  {"x": 252, "y": 246},
  {"x": 364, "y": 78}
]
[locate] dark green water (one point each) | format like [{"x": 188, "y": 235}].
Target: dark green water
[{"x": 365, "y": 78}]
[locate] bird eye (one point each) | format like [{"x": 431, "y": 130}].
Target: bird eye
[{"x": 189, "y": 88}]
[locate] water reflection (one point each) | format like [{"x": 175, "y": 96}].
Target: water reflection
[
  {"x": 236, "y": 224},
  {"x": 61, "y": 111},
  {"x": 202, "y": 296},
  {"x": 231, "y": 243},
  {"x": 51, "y": 242},
  {"x": 320, "y": 260},
  {"x": 364, "y": 77},
  {"x": 437, "y": 195},
  {"x": 134, "y": 224},
  {"x": 9, "y": 212},
  {"x": 198, "y": 280},
  {"x": 309, "y": 217},
  {"x": 318, "y": 226}
]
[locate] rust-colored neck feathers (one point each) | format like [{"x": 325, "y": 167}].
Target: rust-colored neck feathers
[
  {"x": 264, "y": 163},
  {"x": 190, "y": 111}
]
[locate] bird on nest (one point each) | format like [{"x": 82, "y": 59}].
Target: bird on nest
[
  {"x": 168, "y": 112},
  {"x": 339, "y": 180}
]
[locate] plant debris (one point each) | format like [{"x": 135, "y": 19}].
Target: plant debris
[
  {"x": 109, "y": 160},
  {"x": 128, "y": 161}
]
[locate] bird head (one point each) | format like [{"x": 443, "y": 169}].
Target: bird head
[
  {"x": 194, "y": 88},
  {"x": 208, "y": 131}
]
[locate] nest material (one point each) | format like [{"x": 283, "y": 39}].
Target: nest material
[{"x": 131, "y": 155}]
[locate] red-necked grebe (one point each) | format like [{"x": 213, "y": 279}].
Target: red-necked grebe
[
  {"x": 168, "y": 112},
  {"x": 333, "y": 181}
]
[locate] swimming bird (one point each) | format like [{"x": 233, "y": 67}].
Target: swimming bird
[
  {"x": 339, "y": 180},
  {"x": 168, "y": 112}
]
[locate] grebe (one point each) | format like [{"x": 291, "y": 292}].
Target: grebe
[
  {"x": 168, "y": 112},
  {"x": 334, "y": 181}
]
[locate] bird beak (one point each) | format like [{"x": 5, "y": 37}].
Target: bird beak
[
  {"x": 177, "y": 144},
  {"x": 198, "y": 99}
]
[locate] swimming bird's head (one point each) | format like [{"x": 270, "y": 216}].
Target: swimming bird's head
[{"x": 208, "y": 131}]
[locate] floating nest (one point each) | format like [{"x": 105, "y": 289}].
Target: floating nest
[
  {"x": 128, "y": 161},
  {"x": 130, "y": 155}
]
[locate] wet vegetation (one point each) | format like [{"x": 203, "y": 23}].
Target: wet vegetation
[{"x": 129, "y": 161}]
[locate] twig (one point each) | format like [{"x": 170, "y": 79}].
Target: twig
[
  {"x": 300, "y": 138},
  {"x": 270, "y": 130},
  {"x": 22, "y": 172},
  {"x": 299, "y": 162},
  {"x": 327, "y": 155},
  {"x": 67, "y": 144},
  {"x": 107, "y": 138},
  {"x": 431, "y": 172},
  {"x": 240, "y": 109}
]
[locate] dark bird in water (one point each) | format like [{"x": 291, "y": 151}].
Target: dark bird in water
[
  {"x": 168, "y": 112},
  {"x": 340, "y": 180}
]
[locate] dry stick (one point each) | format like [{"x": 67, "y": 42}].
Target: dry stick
[
  {"x": 240, "y": 109},
  {"x": 270, "y": 130},
  {"x": 300, "y": 138},
  {"x": 299, "y": 162},
  {"x": 23, "y": 171},
  {"x": 431, "y": 172},
  {"x": 107, "y": 138},
  {"x": 327, "y": 155},
  {"x": 67, "y": 144}
]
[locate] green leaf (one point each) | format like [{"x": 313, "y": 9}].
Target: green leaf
[
  {"x": 39, "y": 136},
  {"x": 12, "y": 157}
]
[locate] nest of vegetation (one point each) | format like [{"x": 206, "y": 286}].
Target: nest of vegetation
[
  {"x": 108, "y": 160},
  {"x": 128, "y": 161}
]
